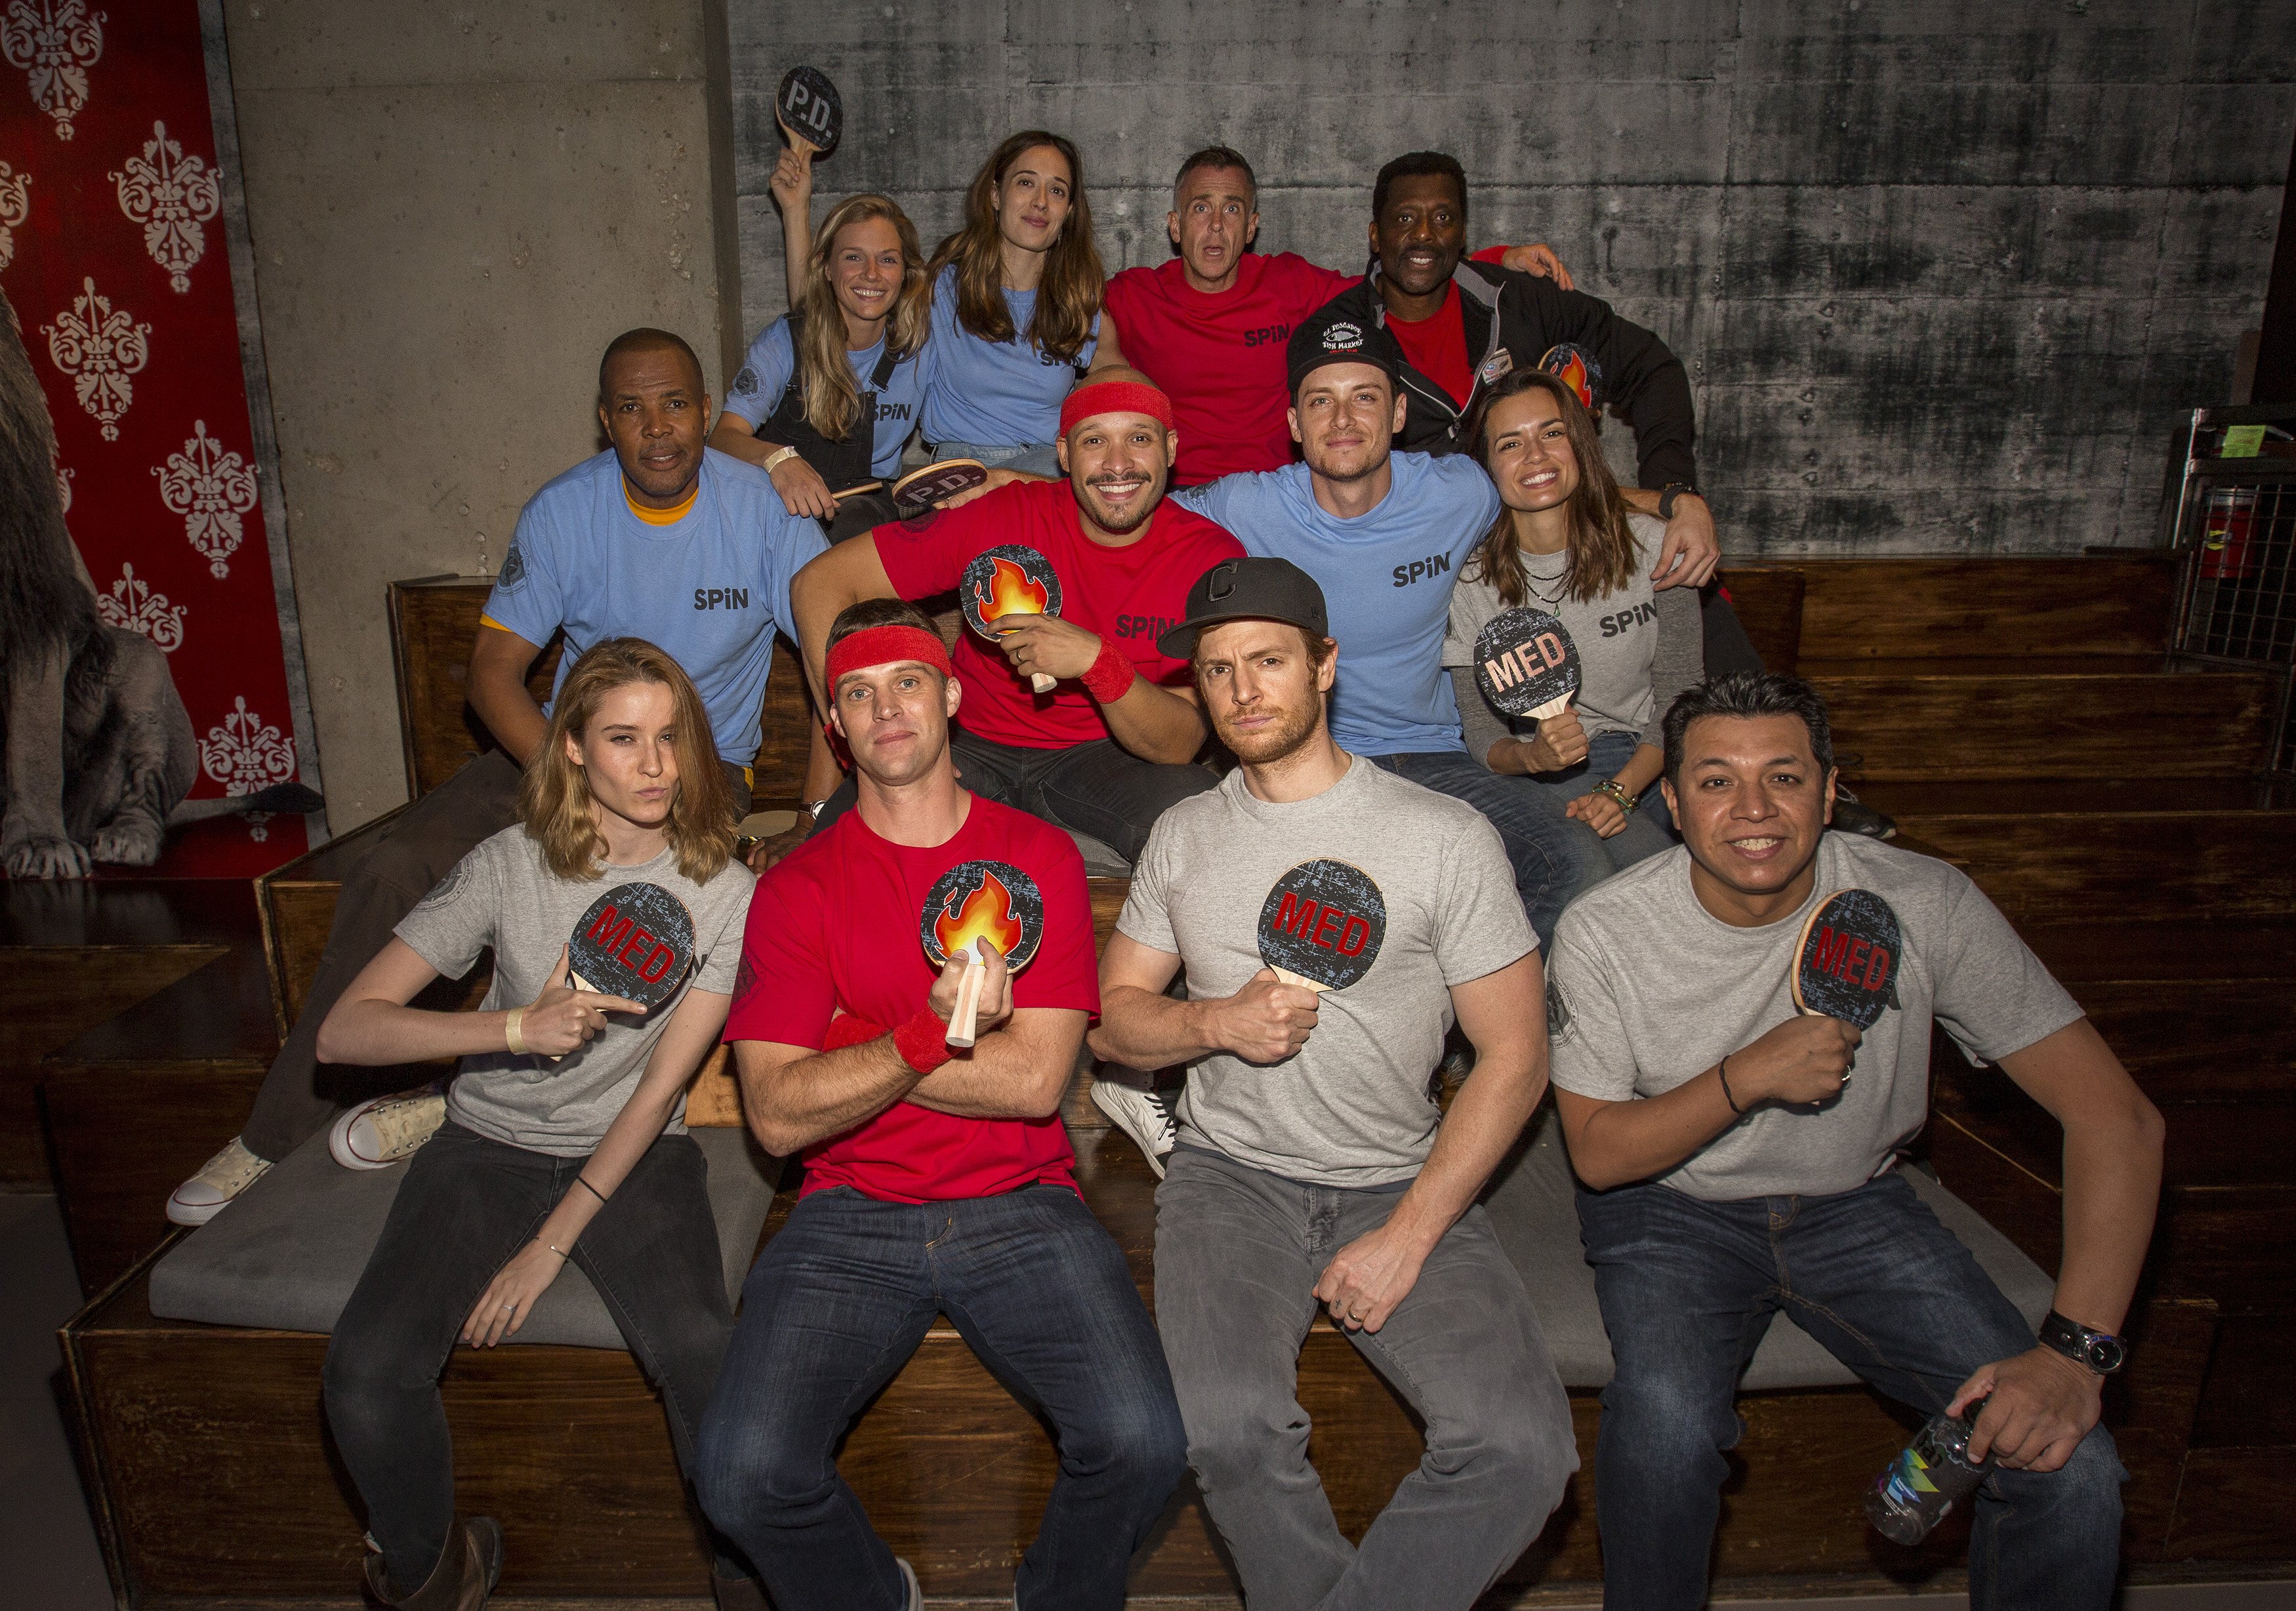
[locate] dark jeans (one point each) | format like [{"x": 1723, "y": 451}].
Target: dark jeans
[
  {"x": 300, "y": 1096},
  {"x": 1688, "y": 1288},
  {"x": 1542, "y": 845},
  {"x": 837, "y": 1303},
  {"x": 467, "y": 1205},
  {"x": 1099, "y": 788}
]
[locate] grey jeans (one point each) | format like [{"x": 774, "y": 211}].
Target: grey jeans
[{"x": 1238, "y": 1253}]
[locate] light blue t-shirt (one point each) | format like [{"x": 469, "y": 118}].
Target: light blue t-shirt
[
  {"x": 710, "y": 588},
  {"x": 998, "y": 394},
  {"x": 1387, "y": 577},
  {"x": 772, "y": 358}
]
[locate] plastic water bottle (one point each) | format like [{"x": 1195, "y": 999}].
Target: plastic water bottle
[{"x": 1916, "y": 1489}]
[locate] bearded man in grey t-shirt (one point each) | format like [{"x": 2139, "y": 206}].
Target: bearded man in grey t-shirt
[
  {"x": 1737, "y": 1159},
  {"x": 1314, "y": 1167}
]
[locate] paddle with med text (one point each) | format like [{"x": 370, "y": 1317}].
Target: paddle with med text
[
  {"x": 1322, "y": 925},
  {"x": 636, "y": 942},
  {"x": 1010, "y": 579},
  {"x": 976, "y": 904},
  {"x": 1846, "y": 963},
  {"x": 1525, "y": 664}
]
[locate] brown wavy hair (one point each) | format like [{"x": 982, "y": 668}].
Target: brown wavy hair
[
  {"x": 1601, "y": 545},
  {"x": 555, "y": 801},
  {"x": 1068, "y": 297},
  {"x": 832, "y": 397}
]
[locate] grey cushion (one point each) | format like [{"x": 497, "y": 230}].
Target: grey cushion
[
  {"x": 1100, "y": 859},
  {"x": 1531, "y": 1207},
  {"x": 286, "y": 1255}
]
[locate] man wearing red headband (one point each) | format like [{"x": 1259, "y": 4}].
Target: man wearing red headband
[
  {"x": 1112, "y": 745},
  {"x": 936, "y": 1183}
]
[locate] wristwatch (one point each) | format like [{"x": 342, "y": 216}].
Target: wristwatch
[
  {"x": 812, "y": 809},
  {"x": 1668, "y": 493},
  {"x": 2100, "y": 1351}
]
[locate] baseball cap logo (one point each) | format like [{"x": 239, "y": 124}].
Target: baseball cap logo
[{"x": 1342, "y": 337}]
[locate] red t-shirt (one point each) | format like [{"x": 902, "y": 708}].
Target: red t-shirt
[
  {"x": 1129, "y": 595},
  {"x": 832, "y": 930},
  {"x": 1220, "y": 359},
  {"x": 1436, "y": 346}
]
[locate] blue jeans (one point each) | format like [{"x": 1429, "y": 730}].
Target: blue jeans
[
  {"x": 1030, "y": 458},
  {"x": 837, "y": 1303},
  {"x": 1542, "y": 845},
  {"x": 1688, "y": 1288},
  {"x": 1592, "y": 858}
]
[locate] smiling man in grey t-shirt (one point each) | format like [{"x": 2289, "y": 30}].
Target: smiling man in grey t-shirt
[
  {"x": 1733, "y": 1166},
  {"x": 1313, "y": 1165}
]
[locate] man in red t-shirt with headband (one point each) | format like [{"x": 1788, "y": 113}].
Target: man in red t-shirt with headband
[
  {"x": 1113, "y": 743},
  {"x": 937, "y": 1182}
]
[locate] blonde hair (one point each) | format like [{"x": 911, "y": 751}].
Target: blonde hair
[
  {"x": 1067, "y": 296},
  {"x": 833, "y": 398},
  {"x": 555, "y": 801}
]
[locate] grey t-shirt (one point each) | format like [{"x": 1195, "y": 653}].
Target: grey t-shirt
[
  {"x": 1637, "y": 649},
  {"x": 504, "y": 895},
  {"x": 1647, "y": 990},
  {"x": 1353, "y": 1108}
]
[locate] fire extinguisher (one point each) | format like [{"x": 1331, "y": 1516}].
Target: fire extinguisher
[{"x": 2226, "y": 552}]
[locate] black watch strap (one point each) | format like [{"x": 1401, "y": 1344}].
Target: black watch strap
[
  {"x": 2100, "y": 1351},
  {"x": 1668, "y": 494}
]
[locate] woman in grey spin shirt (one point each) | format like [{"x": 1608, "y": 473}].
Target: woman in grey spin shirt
[{"x": 1564, "y": 542}]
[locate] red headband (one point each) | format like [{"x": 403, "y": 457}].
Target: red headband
[
  {"x": 878, "y": 645},
  {"x": 1115, "y": 398}
]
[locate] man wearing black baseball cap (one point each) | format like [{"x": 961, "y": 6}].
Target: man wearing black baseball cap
[
  {"x": 1461, "y": 324},
  {"x": 1313, "y": 1167},
  {"x": 1384, "y": 535}
]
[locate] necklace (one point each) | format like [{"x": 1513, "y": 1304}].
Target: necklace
[{"x": 1560, "y": 582}]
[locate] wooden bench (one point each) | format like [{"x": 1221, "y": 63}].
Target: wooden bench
[{"x": 214, "y": 1472}]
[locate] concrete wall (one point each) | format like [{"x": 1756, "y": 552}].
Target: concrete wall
[
  {"x": 454, "y": 207},
  {"x": 1943, "y": 273}
]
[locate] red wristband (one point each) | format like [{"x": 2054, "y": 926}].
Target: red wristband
[
  {"x": 1110, "y": 677},
  {"x": 923, "y": 1041}
]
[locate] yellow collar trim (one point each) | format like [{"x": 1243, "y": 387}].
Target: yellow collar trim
[{"x": 662, "y": 517}]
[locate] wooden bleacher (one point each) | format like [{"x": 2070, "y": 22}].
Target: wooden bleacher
[{"x": 2109, "y": 802}]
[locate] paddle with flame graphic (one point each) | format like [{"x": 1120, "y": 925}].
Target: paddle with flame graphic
[
  {"x": 975, "y": 904},
  {"x": 1010, "y": 579}
]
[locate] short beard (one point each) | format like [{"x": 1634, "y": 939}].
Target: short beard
[
  {"x": 1148, "y": 507},
  {"x": 1371, "y": 466},
  {"x": 1294, "y": 734}
]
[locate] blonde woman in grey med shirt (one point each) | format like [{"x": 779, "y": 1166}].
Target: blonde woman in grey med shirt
[{"x": 1563, "y": 543}]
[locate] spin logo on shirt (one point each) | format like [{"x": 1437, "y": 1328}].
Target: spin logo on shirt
[{"x": 721, "y": 598}]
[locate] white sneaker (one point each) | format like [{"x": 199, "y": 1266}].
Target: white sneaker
[
  {"x": 220, "y": 1179},
  {"x": 377, "y": 1134},
  {"x": 1143, "y": 1114},
  {"x": 916, "y": 1601}
]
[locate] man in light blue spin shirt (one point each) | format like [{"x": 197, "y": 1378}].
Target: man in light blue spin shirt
[
  {"x": 1384, "y": 535},
  {"x": 658, "y": 538}
]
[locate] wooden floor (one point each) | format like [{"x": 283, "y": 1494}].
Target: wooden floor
[{"x": 2107, "y": 801}]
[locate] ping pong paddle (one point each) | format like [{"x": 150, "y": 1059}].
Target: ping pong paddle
[
  {"x": 856, "y": 490},
  {"x": 1525, "y": 664},
  {"x": 972, "y": 901},
  {"x": 807, "y": 108},
  {"x": 635, "y": 941},
  {"x": 1010, "y": 579},
  {"x": 1322, "y": 925},
  {"x": 921, "y": 489},
  {"x": 1846, "y": 964}
]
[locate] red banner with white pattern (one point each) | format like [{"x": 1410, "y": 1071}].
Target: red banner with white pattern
[{"x": 112, "y": 252}]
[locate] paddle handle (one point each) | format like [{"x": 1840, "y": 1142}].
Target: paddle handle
[
  {"x": 1284, "y": 976},
  {"x": 963, "y": 1019},
  {"x": 1553, "y": 708},
  {"x": 795, "y": 139},
  {"x": 1042, "y": 683}
]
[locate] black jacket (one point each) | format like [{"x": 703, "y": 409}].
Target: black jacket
[{"x": 1513, "y": 319}]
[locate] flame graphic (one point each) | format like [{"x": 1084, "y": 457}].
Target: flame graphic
[
  {"x": 1009, "y": 591},
  {"x": 1572, "y": 373},
  {"x": 985, "y": 914}
]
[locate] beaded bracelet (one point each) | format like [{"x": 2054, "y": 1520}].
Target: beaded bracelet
[{"x": 1611, "y": 788}]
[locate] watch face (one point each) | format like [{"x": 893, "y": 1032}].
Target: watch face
[{"x": 2106, "y": 1354}]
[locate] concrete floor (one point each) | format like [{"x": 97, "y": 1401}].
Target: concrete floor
[{"x": 49, "y": 1554}]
